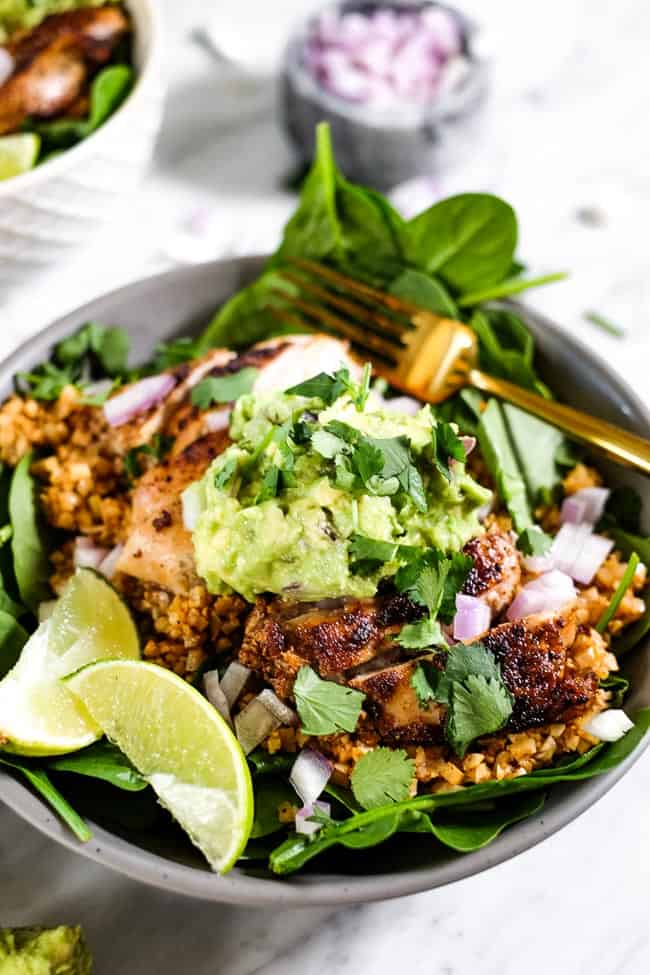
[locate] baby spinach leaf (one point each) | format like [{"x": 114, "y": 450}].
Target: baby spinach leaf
[
  {"x": 224, "y": 389},
  {"x": 469, "y": 831},
  {"x": 382, "y": 775},
  {"x": 107, "y": 92},
  {"x": 468, "y": 241},
  {"x": 263, "y": 763},
  {"x": 508, "y": 287},
  {"x": 624, "y": 508},
  {"x": 30, "y": 560},
  {"x": 325, "y": 707},
  {"x": 253, "y": 314},
  {"x": 102, "y": 761},
  {"x": 535, "y": 444},
  {"x": 270, "y": 794},
  {"x": 502, "y": 463},
  {"x": 42, "y": 784},
  {"x": 425, "y": 291},
  {"x": 506, "y": 348},
  {"x": 13, "y": 638},
  {"x": 632, "y": 635}
]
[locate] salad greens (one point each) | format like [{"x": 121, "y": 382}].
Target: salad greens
[{"x": 452, "y": 259}]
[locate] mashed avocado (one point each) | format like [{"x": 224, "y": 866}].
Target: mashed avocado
[
  {"x": 44, "y": 951},
  {"x": 17, "y": 14},
  {"x": 280, "y": 508}
]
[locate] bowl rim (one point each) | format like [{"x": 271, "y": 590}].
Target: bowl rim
[
  {"x": 112, "y": 851},
  {"x": 146, "y": 78}
]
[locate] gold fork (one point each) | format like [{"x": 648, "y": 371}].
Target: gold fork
[{"x": 431, "y": 357}]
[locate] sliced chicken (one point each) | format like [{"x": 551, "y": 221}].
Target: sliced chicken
[
  {"x": 53, "y": 62},
  {"x": 159, "y": 548},
  {"x": 496, "y": 572},
  {"x": 332, "y": 638},
  {"x": 532, "y": 654}
]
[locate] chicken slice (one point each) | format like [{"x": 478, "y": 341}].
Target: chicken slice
[
  {"x": 159, "y": 548},
  {"x": 533, "y": 658},
  {"x": 53, "y": 61},
  {"x": 496, "y": 572}
]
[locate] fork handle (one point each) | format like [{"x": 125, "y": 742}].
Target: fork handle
[{"x": 625, "y": 448}]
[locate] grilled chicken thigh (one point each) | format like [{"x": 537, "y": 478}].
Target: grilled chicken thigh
[{"x": 54, "y": 61}]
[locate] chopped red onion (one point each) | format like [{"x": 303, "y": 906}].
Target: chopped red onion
[
  {"x": 7, "y": 65},
  {"x": 385, "y": 54},
  {"x": 484, "y": 510},
  {"x": 304, "y": 824},
  {"x": 192, "y": 506},
  {"x": 100, "y": 388},
  {"x": 141, "y": 396},
  {"x": 566, "y": 545},
  {"x": 538, "y": 563},
  {"x": 310, "y": 774},
  {"x": 108, "y": 567},
  {"x": 609, "y": 725},
  {"x": 402, "y": 404},
  {"x": 253, "y": 725},
  {"x": 472, "y": 617},
  {"x": 217, "y": 420},
  {"x": 87, "y": 555},
  {"x": 215, "y": 695},
  {"x": 468, "y": 444},
  {"x": 594, "y": 499},
  {"x": 234, "y": 681},
  {"x": 573, "y": 511},
  {"x": 277, "y": 707},
  {"x": 589, "y": 559},
  {"x": 546, "y": 594}
]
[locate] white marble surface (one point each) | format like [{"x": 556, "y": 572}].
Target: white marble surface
[{"x": 568, "y": 131}]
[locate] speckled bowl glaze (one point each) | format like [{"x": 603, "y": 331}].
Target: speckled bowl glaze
[
  {"x": 181, "y": 302},
  {"x": 50, "y": 211}
]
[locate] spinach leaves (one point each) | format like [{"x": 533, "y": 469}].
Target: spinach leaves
[
  {"x": 30, "y": 562},
  {"x": 107, "y": 92}
]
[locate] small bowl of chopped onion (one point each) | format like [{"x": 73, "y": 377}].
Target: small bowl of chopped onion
[{"x": 401, "y": 85}]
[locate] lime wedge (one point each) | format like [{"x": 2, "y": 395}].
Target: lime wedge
[
  {"x": 18, "y": 153},
  {"x": 183, "y": 747},
  {"x": 38, "y": 716}
]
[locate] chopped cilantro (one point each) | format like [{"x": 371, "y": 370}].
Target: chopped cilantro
[
  {"x": 174, "y": 353},
  {"x": 46, "y": 382},
  {"x": 479, "y": 706},
  {"x": 328, "y": 388},
  {"x": 158, "y": 448},
  {"x": 533, "y": 541},
  {"x": 325, "y": 707},
  {"x": 269, "y": 486},
  {"x": 447, "y": 446},
  {"x": 327, "y": 444},
  {"x": 224, "y": 389},
  {"x": 361, "y": 547},
  {"x": 382, "y": 776},
  {"x": 472, "y": 687},
  {"x": 418, "y": 636},
  {"x": 108, "y": 346},
  {"x": 224, "y": 475}
]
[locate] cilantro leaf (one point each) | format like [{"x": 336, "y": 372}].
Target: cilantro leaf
[
  {"x": 46, "y": 382},
  {"x": 447, "y": 446},
  {"x": 329, "y": 388},
  {"x": 422, "y": 686},
  {"x": 361, "y": 547},
  {"x": 174, "y": 353},
  {"x": 382, "y": 776},
  {"x": 367, "y": 461},
  {"x": 479, "y": 706},
  {"x": 224, "y": 389},
  {"x": 423, "y": 578},
  {"x": 327, "y": 444},
  {"x": 325, "y": 707},
  {"x": 160, "y": 446},
  {"x": 418, "y": 636},
  {"x": 462, "y": 661},
  {"x": 269, "y": 486},
  {"x": 534, "y": 541},
  {"x": 457, "y": 572},
  {"x": 224, "y": 476},
  {"x": 108, "y": 345}
]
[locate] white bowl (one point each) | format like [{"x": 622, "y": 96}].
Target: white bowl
[{"x": 55, "y": 208}]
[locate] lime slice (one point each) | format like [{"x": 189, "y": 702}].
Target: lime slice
[
  {"x": 183, "y": 747},
  {"x": 38, "y": 716},
  {"x": 18, "y": 153}
]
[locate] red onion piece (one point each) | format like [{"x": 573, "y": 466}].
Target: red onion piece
[
  {"x": 253, "y": 725},
  {"x": 87, "y": 555},
  {"x": 538, "y": 563},
  {"x": 609, "y": 725},
  {"x": 402, "y": 404},
  {"x": 472, "y": 617},
  {"x": 282, "y": 712},
  {"x": 234, "y": 681},
  {"x": 217, "y": 420},
  {"x": 566, "y": 545},
  {"x": 573, "y": 511},
  {"x": 594, "y": 499},
  {"x": 310, "y": 774},
  {"x": 468, "y": 444},
  {"x": 7, "y": 65},
  {"x": 215, "y": 695},
  {"x": 547, "y": 594},
  {"x": 192, "y": 506},
  {"x": 108, "y": 567},
  {"x": 303, "y": 823},
  {"x": 589, "y": 559},
  {"x": 122, "y": 407}
]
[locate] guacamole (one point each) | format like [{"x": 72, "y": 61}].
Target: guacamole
[
  {"x": 18, "y": 14},
  {"x": 281, "y": 508}
]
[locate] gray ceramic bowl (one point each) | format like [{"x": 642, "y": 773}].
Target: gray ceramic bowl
[{"x": 182, "y": 301}]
